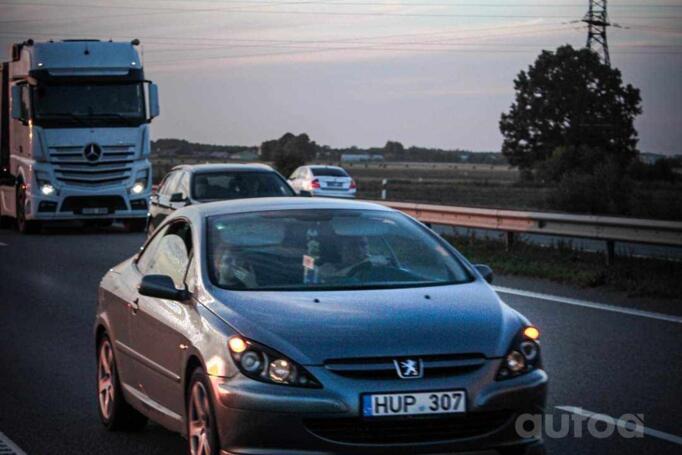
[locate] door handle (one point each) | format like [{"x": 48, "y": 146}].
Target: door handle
[{"x": 134, "y": 306}]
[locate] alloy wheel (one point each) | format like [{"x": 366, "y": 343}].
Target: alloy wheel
[
  {"x": 105, "y": 379},
  {"x": 199, "y": 421}
]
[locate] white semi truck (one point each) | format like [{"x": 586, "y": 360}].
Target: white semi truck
[{"x": 74, "y": 134}]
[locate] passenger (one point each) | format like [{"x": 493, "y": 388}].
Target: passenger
[{"x": 232, "y": 269}]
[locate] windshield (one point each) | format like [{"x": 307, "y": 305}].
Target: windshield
[
  {"x": 89, "y": 104},
  {"x": 328, "y": 172},
  {"x": 326, "y": 249},
  {"x": 238, "y": 185}
]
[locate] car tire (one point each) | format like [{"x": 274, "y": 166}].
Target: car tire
[
  {"x": 114, "y": 412},
  {"x": 135, "y": 224},
  {"x": 202, "y": 429},
  {"x": 23, "y": 225}
]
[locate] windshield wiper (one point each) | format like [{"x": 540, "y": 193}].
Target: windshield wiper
[
  {"x": 128, "y": 120},
  {"x": 77, "y": 118}
]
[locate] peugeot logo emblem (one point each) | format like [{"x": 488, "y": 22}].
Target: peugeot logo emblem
[
  {"x": 409, "y": 368},
  {"x": 92, "y": 152}
]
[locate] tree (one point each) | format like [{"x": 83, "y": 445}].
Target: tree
[
  {"x": 570, "y": 99},
  {"x": 289, "y": 152},
  {"x": 394, "y": 149}
]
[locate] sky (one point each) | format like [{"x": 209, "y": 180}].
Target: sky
[{"x": 432, "y": 73}]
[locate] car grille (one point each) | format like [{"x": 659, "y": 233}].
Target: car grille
[
  {"x": 408, "y": 430},
  {"x": 384, "y": 368},
  {"x": 113, "y": 167}
]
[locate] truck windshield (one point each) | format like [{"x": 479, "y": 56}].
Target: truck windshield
[{"x": 89, "y": 104}]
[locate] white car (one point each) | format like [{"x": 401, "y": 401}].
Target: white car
[{"x": 330, "y": 181}]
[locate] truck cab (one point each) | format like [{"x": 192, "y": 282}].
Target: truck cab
[{"x": 75, "y": 134}]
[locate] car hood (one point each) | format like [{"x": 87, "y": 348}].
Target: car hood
[{"x": 311, "y": 327}]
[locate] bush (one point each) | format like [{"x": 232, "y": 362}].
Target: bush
[{"x": 603, "y": 191}]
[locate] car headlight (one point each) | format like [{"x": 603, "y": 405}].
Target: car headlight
[
  {"x": 267, "y": 365},
  {"x": 523, "y": 356}
]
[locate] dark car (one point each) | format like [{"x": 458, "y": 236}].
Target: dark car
[
  {"x": 286, "y": 326},
  {"x": 193, "y": 184}
]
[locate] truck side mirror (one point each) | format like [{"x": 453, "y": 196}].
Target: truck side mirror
[
  {"x": 153, "y": 101},
  {"x": 17, "y": 113}
]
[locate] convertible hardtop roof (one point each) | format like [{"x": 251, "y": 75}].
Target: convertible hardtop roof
[{"x": 275, "y": 203}]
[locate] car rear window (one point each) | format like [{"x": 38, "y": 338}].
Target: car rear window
[{"x": 328, "y": 172}]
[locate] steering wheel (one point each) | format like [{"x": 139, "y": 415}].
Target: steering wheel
[{"x": 361, "y": 266}]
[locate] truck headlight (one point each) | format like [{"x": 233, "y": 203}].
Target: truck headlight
[
  {"x": 47, "y": 189},
  {"x": 138, "y": 187},
  {"x": 141, "y": 180}
]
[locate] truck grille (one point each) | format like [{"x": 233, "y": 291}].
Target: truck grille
[
  {"x": 113, "y": 167},
  {"x": 406, "y": 430}
]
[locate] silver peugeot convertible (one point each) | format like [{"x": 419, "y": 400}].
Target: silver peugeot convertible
[{"x": 309, "y": 326}]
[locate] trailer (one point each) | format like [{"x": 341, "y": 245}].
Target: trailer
[{"x": 74, "y": 134}]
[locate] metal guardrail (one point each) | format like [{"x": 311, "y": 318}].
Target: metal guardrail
[{"x": 607, "y": 228}]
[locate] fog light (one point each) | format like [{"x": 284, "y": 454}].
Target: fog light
[
  {"x": 138, "y": 188},
  {"x": 279, "y": 370},
  {"x": 251, "y": 362},
  {"x": 515, "y": 361},
  {"x": 47, "y": 189}
]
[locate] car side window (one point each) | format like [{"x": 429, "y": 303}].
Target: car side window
[
  {"x": 167, "y": 183},
  {"x": 171, "y": 256},
  {"x": 148, "y": 254},
  {"x": 183, "y": 185}
]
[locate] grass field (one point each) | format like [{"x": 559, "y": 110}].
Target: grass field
[
  {"x": 474, "y": 185},
  {"x": 639, "y": 277}
]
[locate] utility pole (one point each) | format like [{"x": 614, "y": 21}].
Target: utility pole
[{"x": 597, "y": 21}]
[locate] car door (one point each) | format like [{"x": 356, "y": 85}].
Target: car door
[
  {"x": 121, "y": 296},
  {"x": 158, "y": 327}
]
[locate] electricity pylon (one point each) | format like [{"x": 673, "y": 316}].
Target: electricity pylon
[{"x": 597, "y": 21}]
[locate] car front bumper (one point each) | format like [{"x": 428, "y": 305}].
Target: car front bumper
[{"x": 258, "y": 418}]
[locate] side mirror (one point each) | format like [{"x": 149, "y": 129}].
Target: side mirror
[
  {"x": 485, "y": 271},
  {"x": 17, "y": 113},
  {"x": 162, "y": 287},
  {"x": 153, "y": 101},
  {"x": 177, "y": 197}
]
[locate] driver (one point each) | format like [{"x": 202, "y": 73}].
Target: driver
[{"x": 354, "y": 251}]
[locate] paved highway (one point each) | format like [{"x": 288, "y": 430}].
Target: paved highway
[{"x": 599, "y": 360}]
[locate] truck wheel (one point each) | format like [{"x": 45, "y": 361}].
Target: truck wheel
[
  {"x": 135, "y": 224},
  {"x": 25, "y": 226}
]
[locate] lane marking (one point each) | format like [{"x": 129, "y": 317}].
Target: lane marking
[
  {"x": 7, "y": 447},
  {"x": 587, "y": 304},
  {"x": 3, "y": 244},
  {"x": 628, "y": 425}
]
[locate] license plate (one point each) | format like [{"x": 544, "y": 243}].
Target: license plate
[
  {"x": 95, "y": 211},
  {"x": 405, "y": 404},
  {"x": 335, "y": 184}
]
